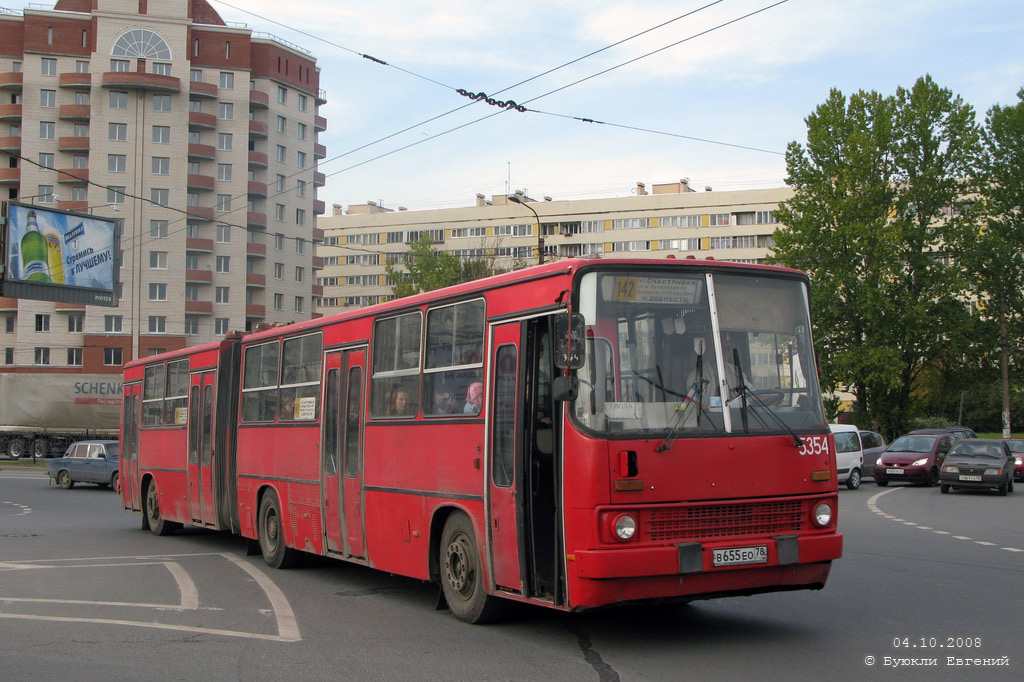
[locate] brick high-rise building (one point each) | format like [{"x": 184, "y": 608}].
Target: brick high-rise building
[{"x": 201, "y": 136}]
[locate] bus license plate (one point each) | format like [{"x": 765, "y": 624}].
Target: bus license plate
[
  {"x": 736, "y": 556},
  {"x": 894, "y": 471},
  {"x": 965, "y": 477}
]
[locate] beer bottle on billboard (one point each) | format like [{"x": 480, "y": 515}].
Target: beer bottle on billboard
[
  {"x": 54, "y": 253},
  {"x": 34, "y": 254}
]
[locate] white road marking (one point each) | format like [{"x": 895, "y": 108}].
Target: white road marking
[
  {"x": 157, "y": 626},
  {"x": 287, "y": 627},
  {"x": 872, "y": 505}
]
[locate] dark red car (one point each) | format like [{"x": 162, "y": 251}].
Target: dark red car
[
  {"x": 913, "y": 458},
  {"x": 1016, "y": 446}
]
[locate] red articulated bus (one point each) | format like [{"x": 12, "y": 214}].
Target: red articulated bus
[{"x": 576, "y": 434}]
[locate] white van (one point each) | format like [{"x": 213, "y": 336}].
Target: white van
[{"x": 849, "y": 454}]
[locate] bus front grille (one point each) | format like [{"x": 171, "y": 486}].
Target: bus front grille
[{"x": 698, "y": 522}]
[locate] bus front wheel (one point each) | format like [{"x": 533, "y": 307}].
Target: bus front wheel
[
  {"x": 461, "y": 577},
  {"x": 272, "y": 545}
]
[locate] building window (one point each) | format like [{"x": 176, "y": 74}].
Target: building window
[
  {"x": 157, "y": 324},
  {"x": 47, "y": 130},
  {"x": 158, "y": 260},
  {"x": 717, "y": 219},
  {"x": 282, "y": 124},
  {"x": 300, "y": 188},
  {"x": 161, "y": 134},
  {"x": 191, "y": 325},
  {"x": 300, "y": 131},
  {"x": 158, "y": 229},
  {"x": 282, "y": 94},
  {"x": 282, "y": 152},
  {"x": 191, "y": 261},
  {"x": 300, "y": 245},
  {"x": 224, "y": 172},
  {"x": 227, "y": 111},
  {"x": 42, "y": 323},
  {"x": 112, "y": 357},
  {"x": 117, "y": 131},
  {"x": 278, "y": 301},
  {"x": 141, "y": 43},
  {"x": 161, "y": 102},
  {"x": 160, "y": 197},
  {"x": 42, "y": 355},
  {"x": 224, "y": 141},
  {"x": 302, "y": 102},
  {"x": 299, "y": 273},
  {"x": 80, "y": 161},
  {"x": 279, "y": 241},
  {"x": 161, "y": 165},
  {"x": 117, "y": 163},
  {"x": 191, "y": 292},
  {"x": 300, "y": 159},
  {"x": 220, "y": 325},
  {"x": 162, "y": 68},
  {"x": 222, "y": 294},
  {"x": 298, "y": 304},
  {"x": 300, "y": 216},
  {"x": 223, "y": 202},
  {"x": 120, "y": 65},
  {"x": 278, "y": 274},
  {"x": 111, "y": 323},
  {"x": 81, "y": 130},
  {"x": 195, "y": 137},
  {"x": 279, "y": 212},
  {"x": 48, "y": 98},
  {"x": 75, "y": 323},
  {"x": 227, "y": 80},
  {"x": 223, "y": 263},
  {"x": 46, "y": 161},
  {"x": 81, "y": 66},
  {"x": 49, "y": 66},
  {"x": 75, "y": 357},
  {"x": 118, "y": 100},
  {"x": 157, "y": 292},
  {"x": 196, "y": 75},
  {"x": 78, "y": 194},
  {"x": 8, "y": 356},
  {"x": 223, "y": 234},
  {"x": 115, "y": 195},
  {"x": 81, "y": 98}
]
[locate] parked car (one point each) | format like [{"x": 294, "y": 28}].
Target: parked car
[
  {"x": 849, "y": 455},
  {"x": 979, "y": 464},
  {"x": 87, "y": 461},
  {"x": 913, "y": 458},
  {"x": 1016, "y": 446},
  {"x": 956, "y": 431},
  {"x": 873, "y": 445}
]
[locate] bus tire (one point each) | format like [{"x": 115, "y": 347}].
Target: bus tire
[
  {"x": 461, "y": 577},
  {"x": 272, "y": 544},
  {"x": 158, "y": 524}
]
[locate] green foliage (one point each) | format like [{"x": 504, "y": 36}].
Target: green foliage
[
  {"x": 878, "y": 207},
  {"x": 427, "y": 269}
]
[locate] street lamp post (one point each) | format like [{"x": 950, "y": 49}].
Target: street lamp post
[{"x": 516, "y": 199}]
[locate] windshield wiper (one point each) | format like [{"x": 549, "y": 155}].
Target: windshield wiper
[
  {"x": 744, "y": 392},
  {"x": 697, "y": 389}
]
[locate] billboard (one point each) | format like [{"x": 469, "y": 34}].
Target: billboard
[{"x": 54, "y": 255}]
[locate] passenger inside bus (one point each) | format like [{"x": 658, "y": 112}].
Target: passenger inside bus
[
  {"x": 474, "y": 398},
  {"x": 400, "y": 405}
]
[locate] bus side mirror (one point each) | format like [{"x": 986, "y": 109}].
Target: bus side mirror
[
  {"x": 569, "y": 341},
  {"x": 565, "y": 388}
]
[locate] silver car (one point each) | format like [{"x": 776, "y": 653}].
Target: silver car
[{"x": 873, "y": 445}]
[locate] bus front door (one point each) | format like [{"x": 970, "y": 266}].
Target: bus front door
[
  {"x": 505, "y": 444},
  {"x": 200, "y": 448}
]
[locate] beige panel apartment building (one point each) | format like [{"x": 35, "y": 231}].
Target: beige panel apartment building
[
  {"x": 201, "y": 136},
  {"x": 671, "y": 219}
]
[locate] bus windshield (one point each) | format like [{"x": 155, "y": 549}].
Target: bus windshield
[{"x": 683, "y": 353}]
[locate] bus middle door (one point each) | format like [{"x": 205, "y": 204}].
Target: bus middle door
[{"x": 200, "y": 448}]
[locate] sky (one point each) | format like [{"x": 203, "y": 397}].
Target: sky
[{"x": 741, "y": 78}]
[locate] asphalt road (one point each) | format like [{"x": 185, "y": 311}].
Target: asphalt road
[{"x": 86, "y": 595}]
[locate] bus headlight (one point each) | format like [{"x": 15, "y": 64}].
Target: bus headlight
[
  {"x": 625, "y": 527},
  {"x": 823, "y": 514}
]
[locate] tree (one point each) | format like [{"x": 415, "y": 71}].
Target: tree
[
  {"x": 995, "y": 255},
  {"x": 877, "y": 212},
  {"x": 427, "y": 268}
]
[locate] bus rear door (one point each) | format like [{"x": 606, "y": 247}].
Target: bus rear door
[{"x": 341, "y": 452}]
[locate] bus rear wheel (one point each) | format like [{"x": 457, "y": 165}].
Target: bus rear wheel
[
  {"x": 158, "y": 524},
  {"x": 272, "y": 545},
  {"x": 461, "y": 577}
]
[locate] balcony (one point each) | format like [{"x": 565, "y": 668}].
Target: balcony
[
  {"x": 318, "y": 234},
  {"x": 10, "y": 176},
  {"x": 256, "y": 250},
  {"x": 7, "y": 304},
  {"x": 201, "y": 183},
  {"x": 11, "y": 143},
  {"x": 199, "y": 307},
  {"x": 253, "y": 310},
  {"x": 319, "y": 207},
  {"x": 319, "y": 179},
  {"x": 10, "y": 112},
  {"x": 257, "y": 189},
  {"x": 200, "y": 212},
  {"x": 258, "y": 100},
  {"x": 198, "y": 276},
  {"x": 257, "y": 129},
  {"x": 198, "y": 120},
  {"x": 75, "y": 112},
  {"x": 68, "y": 307},
  {"x": 318, "y": 262},
  {"x": 199, "y": 244},
  {"x": 73, "y": 144},
  {"x": 319, "y": 151},
  {"x": 321, "y": 97},
  {"x": 204, "y": 152},
  {"x": 73, "y": 175},
  {"x": 257, "y": 160},
  {"x": 81, "y": 206},
  {"x": 254, "y": 280},
  {"x": 133, "y": 80},
  {"x": 318, "y": 289},
  {"x": 200, "y": 90},
  {"x": 254, "y": 219},
  {"x": 320, "y": 124},
  {"x": 11, "y": 80},
  {"x": 75, "y": 80}
]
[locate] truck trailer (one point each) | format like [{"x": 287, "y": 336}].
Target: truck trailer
[{"x": 41, "y": 414}]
